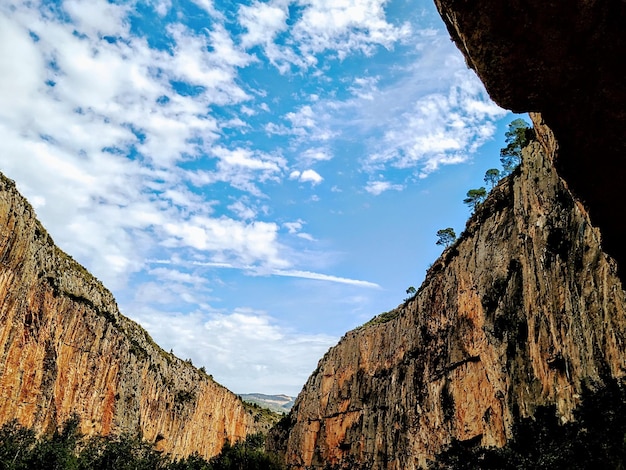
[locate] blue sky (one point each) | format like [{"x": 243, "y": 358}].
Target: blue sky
[{"x": 250, "y": 179}]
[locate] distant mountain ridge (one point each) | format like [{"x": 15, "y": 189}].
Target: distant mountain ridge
[{"x": 276, "y": 403}]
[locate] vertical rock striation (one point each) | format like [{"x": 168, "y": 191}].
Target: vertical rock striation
[
  {"x": 65, "y": 348},
  {"x": 524, "y": 310}
]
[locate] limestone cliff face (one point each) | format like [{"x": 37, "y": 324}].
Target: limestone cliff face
[
  {"x": 524, "y": 310},
  {"x": 564, "y": 59},
  {"x": 65, "y": 348}
]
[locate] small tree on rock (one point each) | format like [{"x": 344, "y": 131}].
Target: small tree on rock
[
  {"x": 475, "y": 197},
  {"x": 517, "y": 137},
  {"x": 446, "y": 236},
  {"x": 411, "y": 291},
  {"x": 492, "y": 176}
]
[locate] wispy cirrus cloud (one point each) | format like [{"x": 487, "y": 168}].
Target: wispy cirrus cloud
[
  {"x": 439, "y": 128},
  {"x": 420, "y": 119},
  {"x": 378, "y": 187},
  {"x": 241, "y": 168},
  {"x": 324, "y": 277}
]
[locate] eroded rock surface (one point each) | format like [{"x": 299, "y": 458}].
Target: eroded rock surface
[
  {"x": 65, "y": 348},
  {"x": 524, "y": 310}
]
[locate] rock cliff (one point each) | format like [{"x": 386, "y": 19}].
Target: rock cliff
[
  {"x": 65, "y": 348},
  {"x": 564, "y": 59},
  {"x": 524, "y": 310}
]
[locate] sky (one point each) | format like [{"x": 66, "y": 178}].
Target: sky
[{"x": 250, "y": 179}]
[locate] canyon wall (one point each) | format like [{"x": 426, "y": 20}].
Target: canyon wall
[
  {"x": 65, "y": 348},
  {"x": 523, "y": 310}
]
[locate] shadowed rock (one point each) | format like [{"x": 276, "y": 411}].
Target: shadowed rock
[{"x": 565, "y": 60}]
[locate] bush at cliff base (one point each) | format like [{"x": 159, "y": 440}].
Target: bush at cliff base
[{"x": 66, "y": 449}]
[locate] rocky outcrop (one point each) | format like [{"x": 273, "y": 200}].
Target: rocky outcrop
[
  {"x": 524, "y": 310},
  {"x": 563, "y": 59},
  {"x": 65, "y": 348}
]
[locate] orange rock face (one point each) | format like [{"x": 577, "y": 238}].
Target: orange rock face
[
  {"x": 524, "y": 310},
  {"x": 65, "y": 348}
]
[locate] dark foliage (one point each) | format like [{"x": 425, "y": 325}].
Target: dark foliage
[
  {"x": 517, "y": 137},
  {"x": 247, "y": 455},
  {"x": 446, "y": 236},
  {"x": 475, "y": 197},
  {"x": 16, "y": 443},
  {"x": 595, "y": 440},
  {"x": 66, "y": 449},
  {"x": 120, "y": 453},
  {"x": 55, "y": 452},
  {"x": 492, "y": 176}
]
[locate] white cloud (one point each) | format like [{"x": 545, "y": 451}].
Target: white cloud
[
  {"x": 241, "y": 168},
  {"x": 303, "y": 119},
  {"x": 378, "y": 187},
  {"x": 244, "y": 159},
  {"x": 208, "y": 6},
  {"x": 162, "y": 7},
  {"x": 341, "y": 28},
  {"x": 228, "y": 241},
  {"x": 440, "y": 128},
  {"x": 173, "y": 275},
  {"x": 310, "y": 176},
  {"x": 309, "y": 125},
  {"x": 432, "y": 112},
  {"x": 275, "y": 359},
  {"x": 306, "y": 236},
  {"x": 262, "y": 22},
  {"x": 318, "y": 154},
  {"x": 365, "y": 87},
  {"x": 168, "y": 293},
  {"x": 279, "y": 271},
  {"x": 96, "y": 17},
  {"x": 184, "y": 199},
  {"x": 346, "y": 26},
  {"x": 324, "y": 277},
  {"x": 209, "y": 62},
  {"x": 243, "y": 210},
  {"x": 294, "y": 227}
]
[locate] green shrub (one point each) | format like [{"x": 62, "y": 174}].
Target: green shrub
[{"x": 66, "y": 449}]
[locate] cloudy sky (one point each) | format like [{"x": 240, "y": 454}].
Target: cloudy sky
[{"x": 251, "y": 179}]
